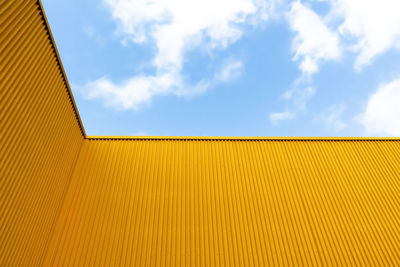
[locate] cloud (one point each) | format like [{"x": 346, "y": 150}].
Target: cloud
[
  {"x": 313, "y": 41},
  {"x": 365, "y": 27},
  {"x": 297, "y": 99},
  {"x": 139, "y": 90},
  {"x": 382, "y": 113},
  {"x": 175, "y": 27},
  {"x": 231, "y": 70},
  {"x": 371, "y": 27},
  {"x": 132, "y": 93},
  {"x": 299, "y": 96},
  {"x": 332, "y": 117},
  {"x": 279, "y": 116},
  {"x": 90, "y": 32}
]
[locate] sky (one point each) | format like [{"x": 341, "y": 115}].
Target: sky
[{"x": 232, "y": 67}]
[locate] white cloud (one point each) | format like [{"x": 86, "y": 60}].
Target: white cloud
[
  {"x": 175, "y": 27},
  {"x": 131, "y": 93},
  {"x": 365, "y": 27},
  {"x": 313, "y": 41},
  {"x": 90, "y": 32},
  {"x": 374, "y": 25},
  {"x": 332, "y": 118},
  {"x": 279, "y": 116},
  {"x": 231, "y": 70},
  {"x": 382, "y": 113},
  {"x": 299, "y": 96},
  {"x": 297, "y": 102},
  {"x": 139, "y": 90}
]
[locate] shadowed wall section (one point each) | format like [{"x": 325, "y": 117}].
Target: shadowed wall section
[{"x": 40, "y": 137}]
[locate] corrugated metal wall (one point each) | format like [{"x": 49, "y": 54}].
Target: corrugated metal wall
[
  {"x": 199, "y": 202},
  {"x": 40, "y": 136},
  {"x": 66, "y": 200}
]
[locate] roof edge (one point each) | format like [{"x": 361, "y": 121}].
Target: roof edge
[
  {"x": 62, "y": 71},
  {"x": 184, "y": 138},
  {"x": 238, "y": 138}
]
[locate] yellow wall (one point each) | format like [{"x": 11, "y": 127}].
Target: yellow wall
[
  {"x": 66, "y": 198},
  {"x": 40, "y": 137},
  {"x": 175, "y": 202}
]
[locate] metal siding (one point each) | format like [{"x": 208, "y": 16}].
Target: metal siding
[
  {"x": 175, "y": 200},
  {"x": 231, "y": 202},
  {"x": 40, "y": 138}
]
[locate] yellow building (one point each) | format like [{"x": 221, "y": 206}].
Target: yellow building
[{"x": 71, "y": 199}]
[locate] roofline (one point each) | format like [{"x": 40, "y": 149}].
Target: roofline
[
  {"x": 61, "y": 67},
  {"x": 185, "y": 138},
  {"x": 238, "y": 138}
]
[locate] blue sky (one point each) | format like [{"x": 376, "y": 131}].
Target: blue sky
[{"x": 232, "y": 67}]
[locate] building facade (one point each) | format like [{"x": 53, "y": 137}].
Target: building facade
[{"x": 71, "y": 199}]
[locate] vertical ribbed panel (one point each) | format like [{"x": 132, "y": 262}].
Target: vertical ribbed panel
[
  {"x": 69, "y": 201},
  {"x": 199, "y": 202},
  {"x": 40, "y": 137}
]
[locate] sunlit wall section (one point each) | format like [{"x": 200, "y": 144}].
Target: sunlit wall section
[
  {"x": 199, "y": 202},
  {"x": 40, "y": 134}
]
